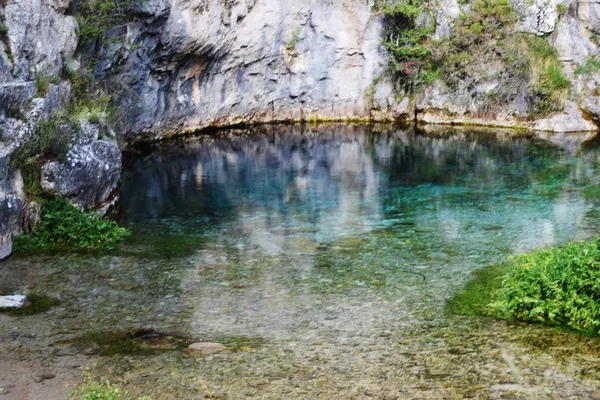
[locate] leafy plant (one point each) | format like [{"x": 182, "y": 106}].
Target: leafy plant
[
  {"x": 96, "y": 16},
  {"x": 555, "y": 286},
  {"x": 102, "y": 391},
  {"x": 65, "y": 227},
  {"x": 407, "y": 43},
  {"x": 294, "y": 41}
]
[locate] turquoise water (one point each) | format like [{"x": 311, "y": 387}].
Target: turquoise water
[
  {"x": 336, "y": 248},
  {"x": 345, "y": 213},
  {"x": 479, "y": 195}
]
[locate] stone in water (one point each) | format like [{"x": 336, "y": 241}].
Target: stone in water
[
  {"x": 15, "y": 301},
  {"x": 205, "y": 348}
]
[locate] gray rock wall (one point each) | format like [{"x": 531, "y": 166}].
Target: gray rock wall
[{"x": 205, "y": 64}]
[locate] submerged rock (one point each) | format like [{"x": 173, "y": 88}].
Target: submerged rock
[
  {"x": 15, "y": 301},
  {"x": 204, "y": 348}
]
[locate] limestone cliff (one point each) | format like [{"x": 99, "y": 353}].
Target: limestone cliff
[{"x": 204, "y": 63}]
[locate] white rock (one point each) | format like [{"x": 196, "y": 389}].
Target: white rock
[{"x": 15, "y": 301}]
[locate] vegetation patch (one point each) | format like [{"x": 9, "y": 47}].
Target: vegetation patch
[
  {"x": 478, "y": 295},
  {"x": 591, "y": 66},
  {"x": 64, "y": 227},
  {"x": 139, "y": 342},
  {"x": 485, "y": 58},
  {"x": 161, "y": 246},
  {"x": 240, "y": 343},
  {"x": 96, "y": 16},
  {"x": 555, "y": 286},
  {"x": 408, "y": 44},
  {"x": 102, "y": 391},
  {"x": 35, "y": 304}
]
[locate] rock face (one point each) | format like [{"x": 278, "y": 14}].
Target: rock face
[
  {"x": 38, "y": 39},
  {"x": 12, "y": 199},
  {"x": 40, "y": 35},
  {"x": 90, "y": 177},
  {"x": 208, "y": 64},
  {"x": 540, "y": 18}
]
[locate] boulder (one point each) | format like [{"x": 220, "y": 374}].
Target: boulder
[{"x": 90, "y": 177}]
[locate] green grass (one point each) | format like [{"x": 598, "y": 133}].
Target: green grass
[
  {"x": 591, "y": 66},
  {"x": 35, "y": 304},
  {"x": 42, "y": 83},
  {"x": 64, "y": 227}
]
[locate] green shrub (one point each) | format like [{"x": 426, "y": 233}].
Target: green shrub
[
  {"x": 408, "y": 44},
  {"x": 96, "y": 16},
  {"x": 64, "y": 227},
  {"x": 555, "y": 286},
  {"x": 549, "y": 88}
]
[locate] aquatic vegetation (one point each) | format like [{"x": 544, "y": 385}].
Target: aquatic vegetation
[
  {"x": 103, "y": 391},
  {"x": 478, "y": 295},
  {"x": 140, "y": 342},
  {"x": 65, "y": 227},
  {"x": 35, "y": 304},
  {"x": 556, "y": 286},
  {"x": 162, "y": 246},
  {"x": 239, "y": 343}
]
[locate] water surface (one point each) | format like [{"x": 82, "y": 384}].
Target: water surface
[{"x": 338, "y": 248}]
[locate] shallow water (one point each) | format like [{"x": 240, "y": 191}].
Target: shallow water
[{"x": 338, "y": 248}]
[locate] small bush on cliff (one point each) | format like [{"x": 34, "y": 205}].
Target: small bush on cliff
[
  {"x": 65, "y": 227},
  {"x": 96, "y": 16},
  {"x": 549, "y": 87},
  {"x": 591, "y": 66},
  {"x": 407, "y": 42},
  {"x": 486, "y": 47}
]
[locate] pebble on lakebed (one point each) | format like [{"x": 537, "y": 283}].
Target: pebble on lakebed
[
  {"x": 15, "y": 301},
  {"x": 204, "y": 348}
]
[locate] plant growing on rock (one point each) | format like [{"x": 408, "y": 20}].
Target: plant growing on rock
[
  {"x": 65, "y": 227},
  {"x": 407, "y": 41},
  {"x": 96, "y": 16}
]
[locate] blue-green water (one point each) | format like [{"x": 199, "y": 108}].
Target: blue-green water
[
  {"x": 338, "y": 248},
  {"x": 341, "y": 214},
  {"x": 479, "y": 195}
]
